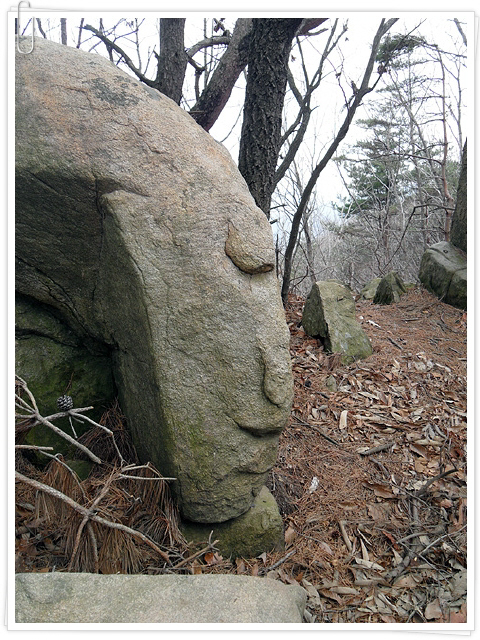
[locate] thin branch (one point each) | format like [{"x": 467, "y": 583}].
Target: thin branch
[
  {"x": 122, "y": 54},
  {"x": 275, "y": 565},
  {"x": 210, "y": 547}
]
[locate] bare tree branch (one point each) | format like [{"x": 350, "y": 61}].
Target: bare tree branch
[
  {"x": 121, "y": 52},
  {"x": 356, "y": 100}
]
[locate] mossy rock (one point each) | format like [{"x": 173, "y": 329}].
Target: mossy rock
[
  {"x": 370, "y": 289},
  {"x": 443, "y": 272},
  {"x": 329, "y": 314},
  {"x": 51, "y": 358},
  {"x": 259, "y": 529}
]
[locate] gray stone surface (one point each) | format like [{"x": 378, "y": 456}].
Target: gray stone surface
[
  {"x": 329, "y": 314},
  {"x": 93, "y": 598},
  {"x": 137, "y": 228},
  {"x": 259, "y": 529},
  {"x": 443, "y": 271}
]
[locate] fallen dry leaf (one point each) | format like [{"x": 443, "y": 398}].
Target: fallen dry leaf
[
  {"x": 433, "y": 610},
  {"x": 290, "y": 536}
]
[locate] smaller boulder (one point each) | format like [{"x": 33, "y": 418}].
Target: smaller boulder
[
  {"x": 329, "y": 314},
  {"x": 259, "y": 529},
  {"x": 389, "y": 289},
  {"x": 443, "y": 271}
]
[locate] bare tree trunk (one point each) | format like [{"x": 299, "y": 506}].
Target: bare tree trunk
[
  {"x": 448, "y": 200},
  {"x": 268, "y": 56},
  {"x": 63, "y": 30},
  {"x": 172, "y": 60},
  {"x": 459, "y": 219},
  {"x": 213, "y": 99},
  {"x": 309, "y": 247}
]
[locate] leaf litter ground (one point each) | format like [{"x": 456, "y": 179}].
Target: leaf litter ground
[{"x": 370, "y": 480}]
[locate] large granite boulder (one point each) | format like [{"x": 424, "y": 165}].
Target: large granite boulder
[
  {"x": 135, "y": 227},
  {"x": 443, "y": 271},
  {"x": 329, "y": 314}
]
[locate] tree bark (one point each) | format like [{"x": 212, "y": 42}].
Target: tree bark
[
  {"x": 268, "y": 55},
  {"x": 172, "y": 60},
  {"x": 458, "y": 235}
]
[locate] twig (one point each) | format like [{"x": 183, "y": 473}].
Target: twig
[
  {"x": 324, "y": 435},
  {"x": 93, "y": 541},
  {"x": 141, "y": 478},
  {"x": 346, "y": 539},
  {"x": 100, "y": 426},
  {"x": 381, "y": 447},
  {"x": 86, "y": 519},
  {"x": 432, "y": 544},
  {"x": 395, "y": 344},
  {"x": 33, "y": 446},
  {"x": 134, "y": 467},
  {"x": 421, "y": 491},
  {"x": 182, "y": 563},
  {"x": 275, "y": 565}
]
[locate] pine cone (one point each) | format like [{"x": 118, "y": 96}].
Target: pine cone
[{"x": 65, "y": 403}]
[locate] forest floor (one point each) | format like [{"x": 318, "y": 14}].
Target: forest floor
[
  {"x": 370, "y": 478},
  {"x": 371, "y": 475}
]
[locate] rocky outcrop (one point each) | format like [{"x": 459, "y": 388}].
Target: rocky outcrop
[
  {"x": 135, "y": 228},
  {"x": 91, "y": 598},
  {"x": 443, "y": 271},
  {"x": 389, "y": 289},
  {"x": 329, "y": 314}
]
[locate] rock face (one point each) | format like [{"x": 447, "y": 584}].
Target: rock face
[
  {"x": 135, "y": 227},
  {"x": 92, "y": 598},
  {"x": 443, "y": 271},
  {"x": 389, "y": 289},
  {"x": 329, "y": 314}
]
